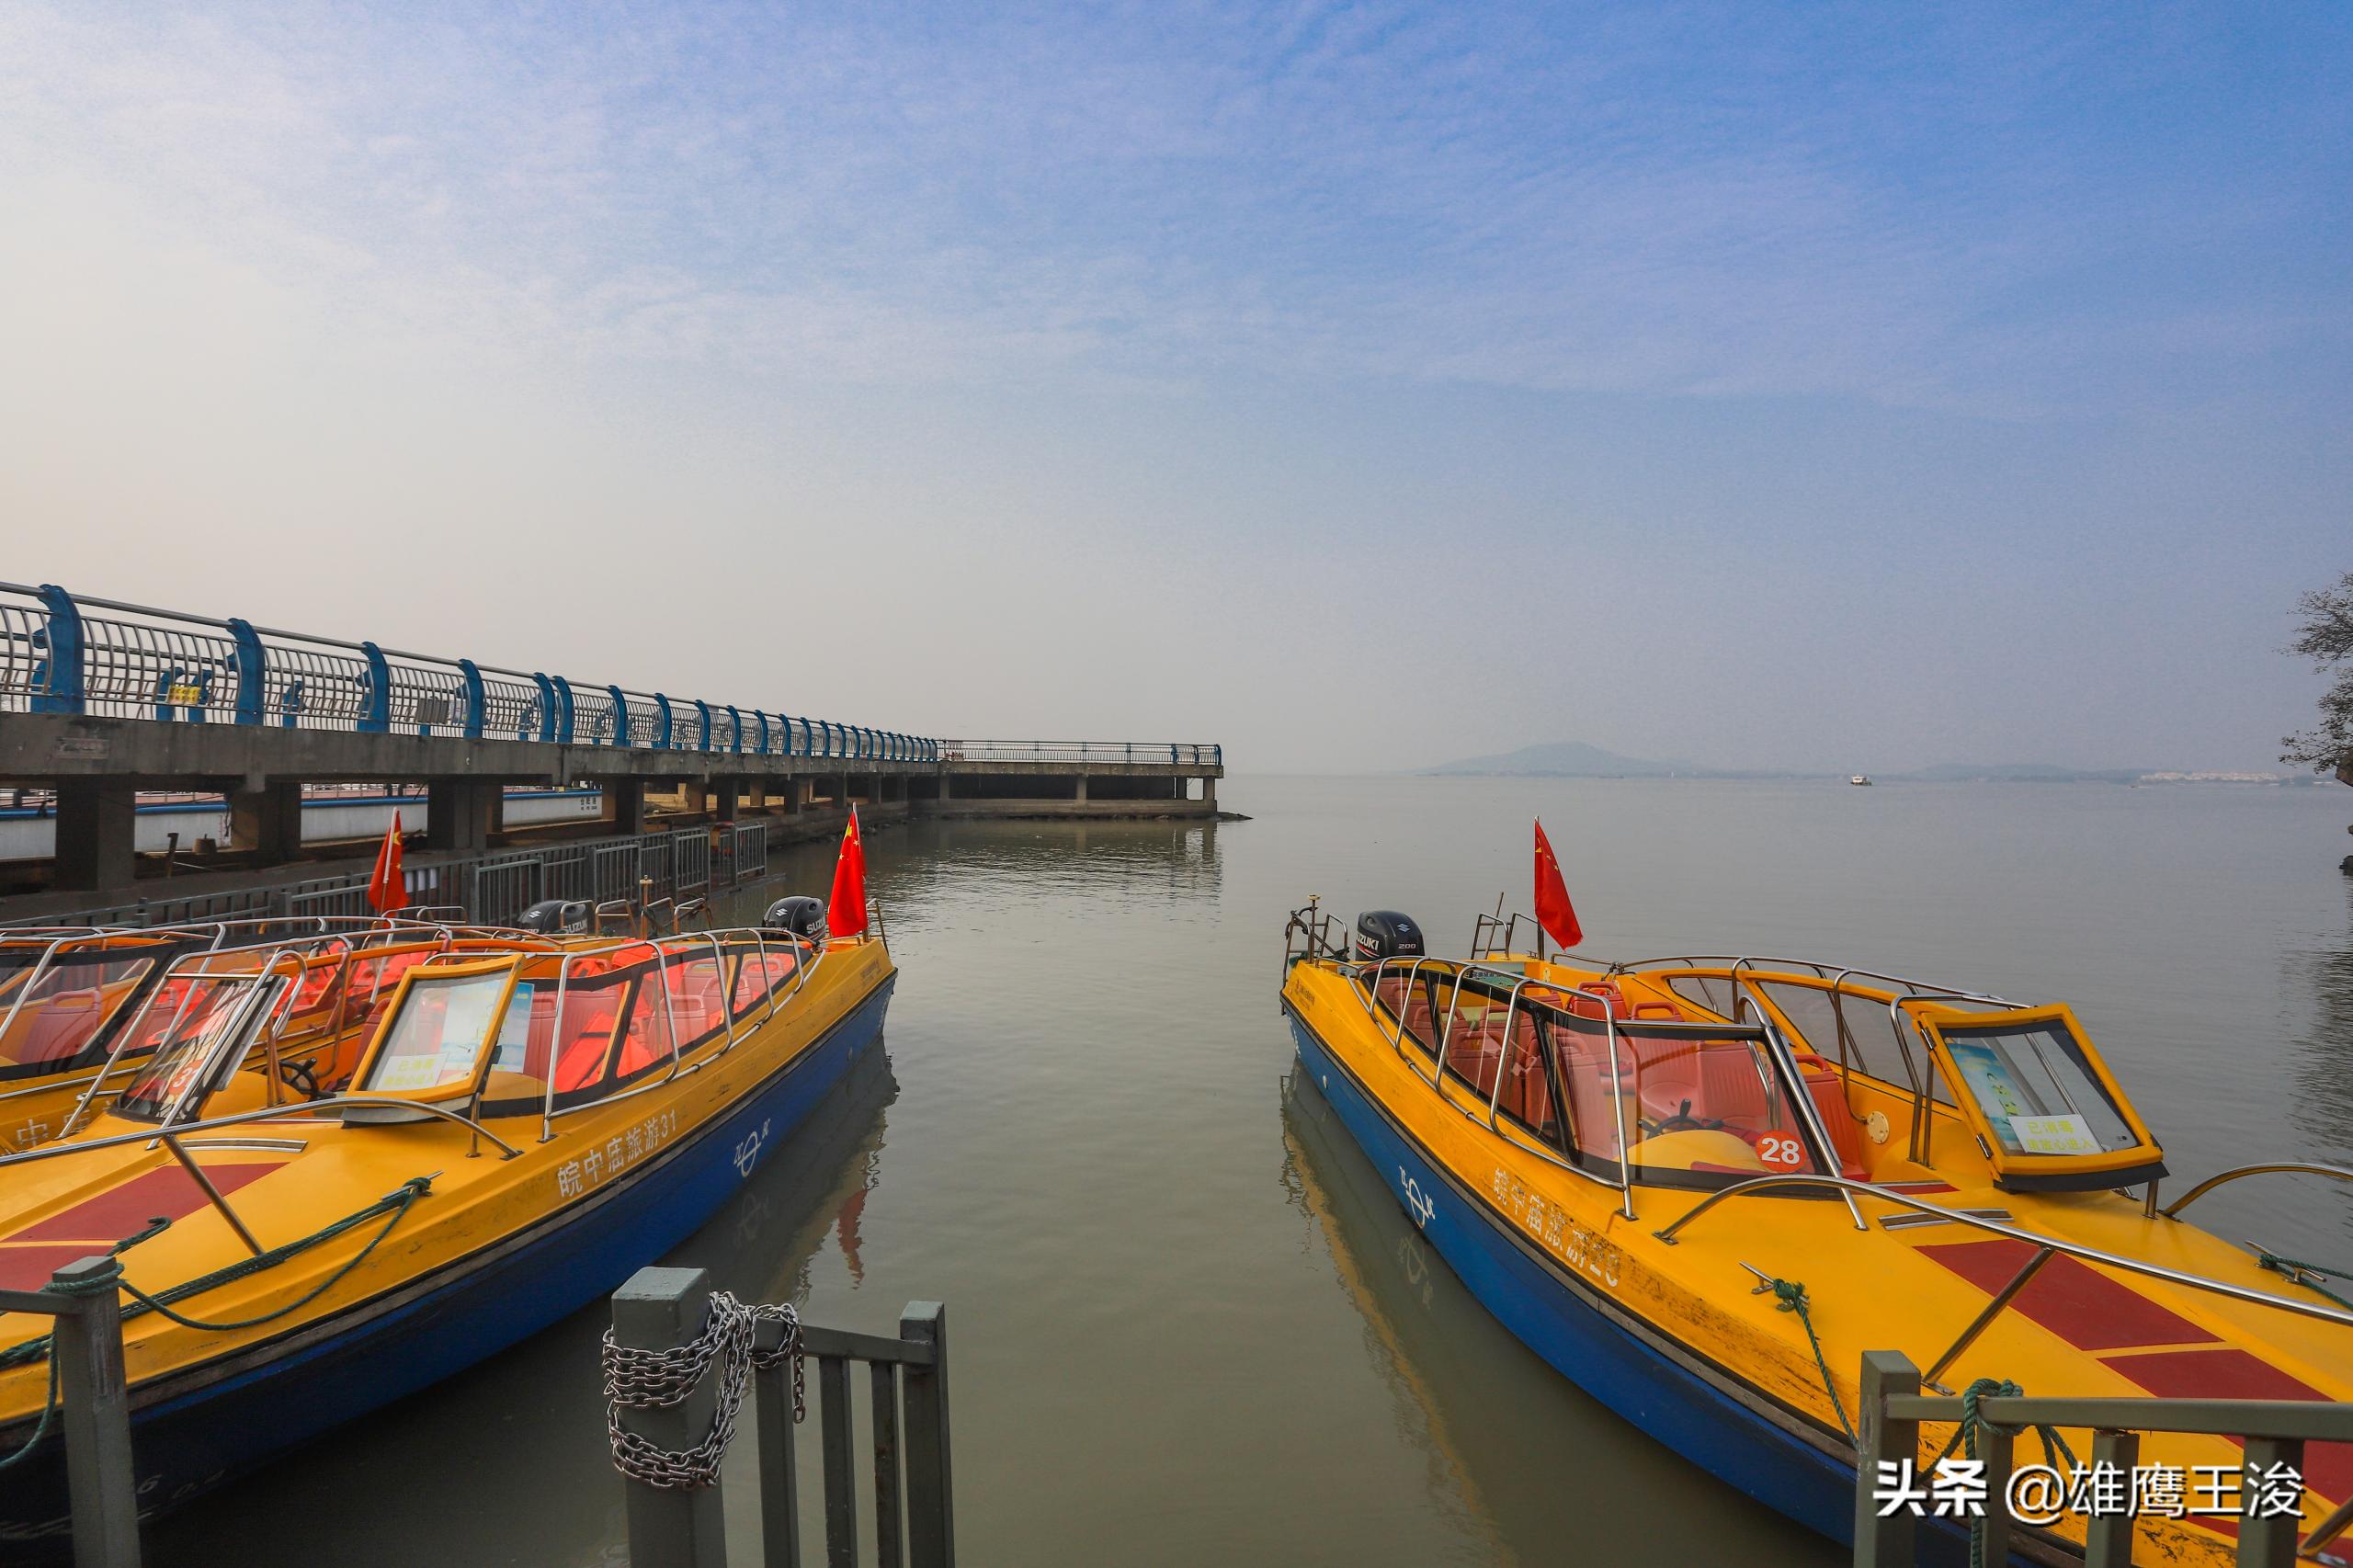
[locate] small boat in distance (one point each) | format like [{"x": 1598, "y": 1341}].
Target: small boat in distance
[
  {"x": 1862, "y": 778},
  {"x": 522, "y": 1119},
  {"x": 1667, "y": 1177}
]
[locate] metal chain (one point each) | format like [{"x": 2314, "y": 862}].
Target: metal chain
[{"x": 655, "y": 1380}]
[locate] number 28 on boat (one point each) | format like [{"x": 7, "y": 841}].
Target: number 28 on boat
[
  {"x": 1702, "y": 1188},
  {"x": 339, "y": 1172}
]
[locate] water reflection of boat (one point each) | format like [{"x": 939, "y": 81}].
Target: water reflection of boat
[
  {"x": 1643, "y": 1171},
  {"x": 1518, "y": 1455},
  {"x": 530, "y": 1120}
]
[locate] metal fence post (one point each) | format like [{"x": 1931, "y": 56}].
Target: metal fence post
[
  {"x": 840, "y": 1475},
  {"x": 2269, "y": 1543},
  {"x": 779, "y": 1474},
  {"x": 96, "y": 1408},
  {"x": 57, "y": 684},
  {"x": 2108, "y": 1538},
  {"x": 931, "y": 1522},
  {"x": 660, "y": 1309},
  {"x": 890, "y": 1550},
  {"x": 1883, "y": 1543}
]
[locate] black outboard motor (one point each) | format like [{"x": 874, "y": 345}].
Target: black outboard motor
[
  {"x": 799, "y": 914},
  {"x": 1385, "y": 934},
  {"x": 555, "y": 916}
]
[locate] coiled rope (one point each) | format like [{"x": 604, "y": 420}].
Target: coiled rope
[
  {"x": 1972, "y": 1426},
  {"x": 392, "y": 1205},
  {"x": 1790, "y": 1296},
  {"x": 638, "y": 1379},
  {"x": 2307, "y": 1275}
]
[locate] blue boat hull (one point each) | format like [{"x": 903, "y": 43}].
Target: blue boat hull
[
  {"x": 188, "y": 1443},
  {"x": 1565, "y": 1325}
]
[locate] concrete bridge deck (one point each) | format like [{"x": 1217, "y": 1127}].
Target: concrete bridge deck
[{"x": 100, "y": 701}]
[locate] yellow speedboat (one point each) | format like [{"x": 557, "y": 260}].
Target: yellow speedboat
[
  {"x": 527, "y": 1120},
  {"x": 1671, "y": 1179}
]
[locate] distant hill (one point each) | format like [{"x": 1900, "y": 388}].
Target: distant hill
[{"x": 1567, "y": 759}]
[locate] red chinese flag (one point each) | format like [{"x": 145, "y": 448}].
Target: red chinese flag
[
  {"x": 1554, "y": 910},
  {"x": 846, "y": 914},
  {"x": 387, "y": 889}
]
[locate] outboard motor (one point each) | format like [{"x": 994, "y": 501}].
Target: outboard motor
[
  {"x": 555, "y": 917},
  {"x": 799, "y": 914},
  {"x": 1385, "y": 934}
]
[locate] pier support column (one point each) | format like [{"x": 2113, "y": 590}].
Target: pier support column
[
  {"x": 97, "y": 827},
  {"x": 625, "y": 804},
  {"x": 461, "y": 814},
  {"x": 1209, "y": 796},
  {"x": 267, "y": 821},
  {"x": 722, "y": 799},
  {"x": 1081, "y": 796},
  {"x": 947, "y": 786}
]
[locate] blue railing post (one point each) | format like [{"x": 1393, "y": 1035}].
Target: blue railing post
[
  {"x": 662, "y": 706},
  {"x": 620, "y": 716},
  {"x": 477, "y": 699},
  {"x": 57, "y": 678},
  {"x": 763, "y": 730},
  {"x": 376, "y": 692},
  {"x": 703, "y": 711},
  {"x": 562, "y": 710},
  {"x": 546, "y": 705},
  {"x": 736, "y": 729},
  {"x": 252, "y": 667}
]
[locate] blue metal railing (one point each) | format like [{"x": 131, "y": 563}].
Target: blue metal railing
[{"x": 60, "y": 653}]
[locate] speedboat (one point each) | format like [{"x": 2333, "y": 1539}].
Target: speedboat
[
  {"x": 1862, "y": 778},
  {"x": 525, "y": 1120},
  {"x": 1702, "y": 1188}
]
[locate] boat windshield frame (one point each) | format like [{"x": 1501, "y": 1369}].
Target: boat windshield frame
[
  {"x": 1508, "y": 982},
  {"x": 163, "y": 948},
  {"x": 2024, "y": 1170},
  {"x": 194, "y": 1067}
]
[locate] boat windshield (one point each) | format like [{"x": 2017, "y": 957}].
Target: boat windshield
[
  {"x": 437, "y": 1032},
  {"x": 1686, "y": 1102},
  {"x": 199, "y": 1028},
  {"x": 51, "y": 1016},
  {"x": 2035, "y": 1090}
]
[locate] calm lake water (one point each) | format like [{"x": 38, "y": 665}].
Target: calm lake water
[{"x": 1188, "y": 1323}]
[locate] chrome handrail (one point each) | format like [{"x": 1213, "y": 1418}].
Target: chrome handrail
[
  {"x": 1777, "y": 1047},
  {"x": 1994, "y": 1227},
  {"x": 238, "y": 1118},
  {"x": 2292, "y": 1167}
]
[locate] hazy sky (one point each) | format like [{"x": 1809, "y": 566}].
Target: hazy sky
[{"x": 1359, "y": 386}]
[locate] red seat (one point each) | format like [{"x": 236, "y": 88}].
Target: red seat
[
  {"x": 583, "y": 1056},
  {"x": 65, "y": 1023}
]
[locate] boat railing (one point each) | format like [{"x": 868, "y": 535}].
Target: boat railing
[
  {"x": 2222, "y": 1178},
  {"x": 663, "y": 948},
  {"x": 1779, "y": 1062},
  {"x": 2273, "y": 1433},
  {"x": 1310, "y": 934},
  {"x": 2046, "y": 1248},
  {"x": 673, "y": 1492},
  {"x": 262, "y": 1113}
]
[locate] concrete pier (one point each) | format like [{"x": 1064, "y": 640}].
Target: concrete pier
[{"x": 97, "y": 766}]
